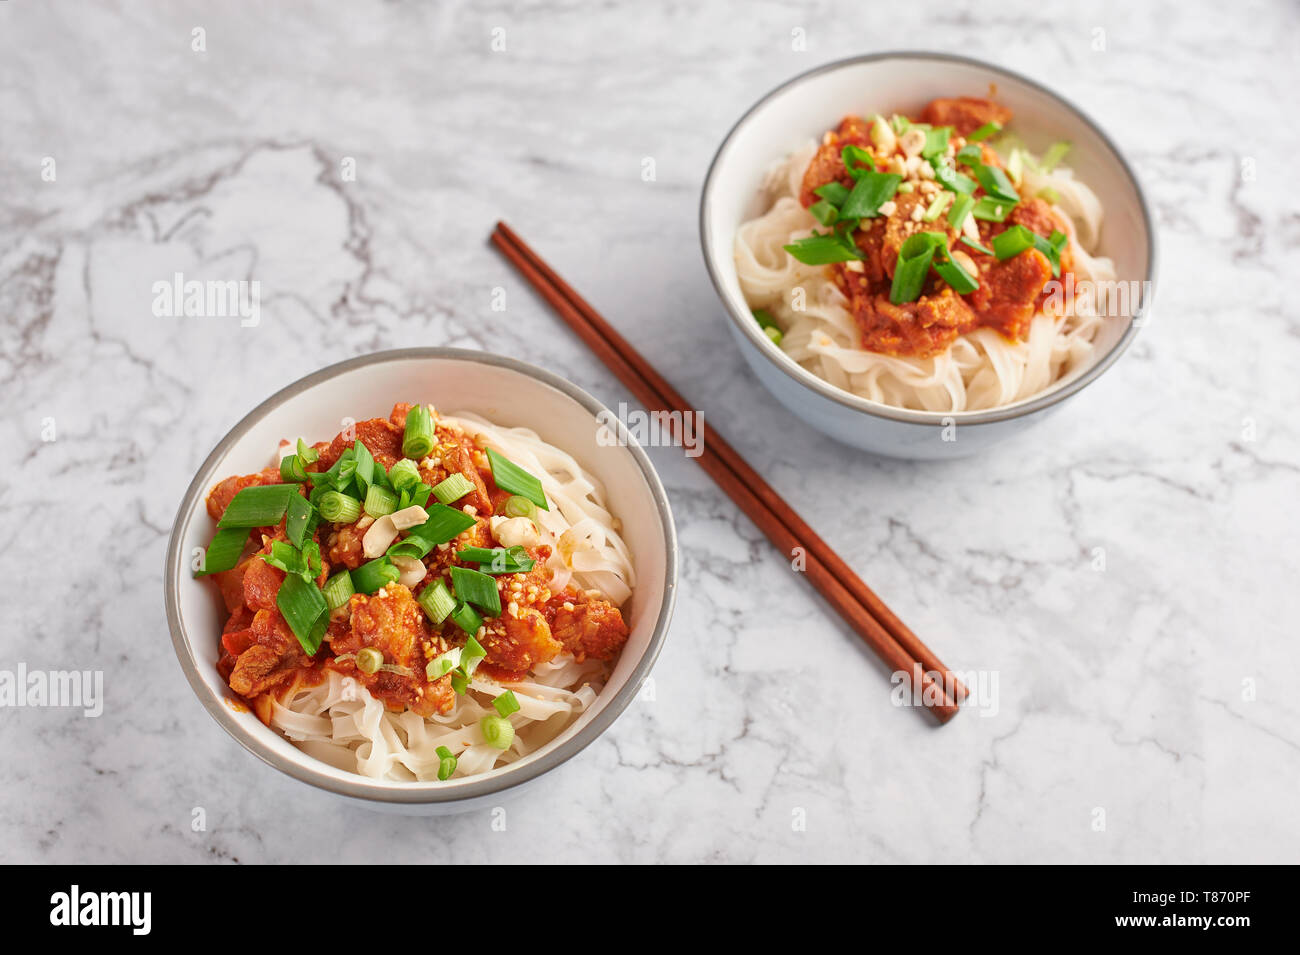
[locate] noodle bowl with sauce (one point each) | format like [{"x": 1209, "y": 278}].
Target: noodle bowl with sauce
[{"x": 422, "y": 598}]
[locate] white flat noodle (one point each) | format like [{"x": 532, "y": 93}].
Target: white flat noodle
[{"x": 981, "y": 370}]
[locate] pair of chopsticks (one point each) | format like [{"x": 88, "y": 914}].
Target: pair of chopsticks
[{"x": 866, "y": 613}]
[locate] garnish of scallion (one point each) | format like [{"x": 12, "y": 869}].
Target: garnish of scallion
[
  {"x": 913, "y": 265},
  {"x": 506, "y": 703},
  {"x": 304, "y": 609},
  {"x": 380, "y": 501},
  {"x": 497, "y": 731},
  {"x": 770, "y": 328},
  {"x": 417, "y": 442},
  {"x": 513, "y": 479},
  {"x": 338, "y": 507},
  {"x": 338, "y": 589},
  {"x": 477, "y": 588},
  {"x": 1055, "y": 153},
  {"x": 446, "y": 763},
  {"x": 436, "y": 601},
  {"x": 375, "y": 574},
  {"x": 453, "y": 488},
  {"x": 369, "y": 660}
]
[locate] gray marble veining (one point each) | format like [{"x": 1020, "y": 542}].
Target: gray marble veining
[{"x": 1154, "y": 690}]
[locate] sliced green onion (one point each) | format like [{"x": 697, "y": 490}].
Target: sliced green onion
[
  {"x": 453, "y": 488},
  {"x": 992, "y": 210},
  {"x": 436, "y": 601},
  {"x": 471, "y": 654},
  {"x": 976, "y": 246},
  {"x": 506, "y": 703},
  {"x": 417, "y": 442},
  {"x": 833, "y": 192},
  {"x": 420, "y": 496},
  {"x": 855, "y": 157},
  {"x": 870, "y": 192},
  {"x": 340, "y": 475},
  {"x": 1055, "y": 153},
  {"x": 297, "y": 519},
  {"x": 444, "y": 524},
  {"x": 339, "y": 508},
  {"x": 497, "y": 731},
  {"x": 498, "y": 560},
  {"x": 304, "y": 609},
  {"x": 1052, "y": 248},
  {"x": 914, "y": 257},
  {"x": 478, "y": 588},
  {"x": 940, "y": 203},
  {"x": 446, "y": 763},
  {"x": 961, "y": 281},
  {"x": 936, "y": 141},
  {"x": 311, "y": 551},
  {"x": 338, "y": 589},
  {"x": 404, "y": 475},
  {"x": 824, "y": 212},
  {"x": 373, "y": 575},
  {"x": 984, "y": 132},
  {"x": 764, "y": 319},
  {"x": 775, "y": 335},
  {"x": 1014, "y": 240},
  {"x": 517, "y": 506},
  {"x": 285, "y": 557},
  {"x": 442, "y": 664},
  {"x": 369, "y": 660},
  {"x": 380, "y": 501},
  {"x": 260, "y": 506},
  {"x": 291, "y": 469},
  {"x": 823, "y": 248},
  {"x": 365, "y": 466},
  {"x": 1016, "y": 165},
  {"x": 961, "y": 208},
  {"x": 1017, "y": 239},
  {"x": 459, "y": 683},
  {"x": 467, "y": 618},
  {"x": 1050, "y": 194},
  {"x": 969, "y": 155},
  {"x": 225, "y": 550},
  {"x": 513, "y": 479},
  {"x": 306, "y": 453},
  {"x": 306, "y": 563},
  {"x": 995, "y": 183},
  {"x": 948, "y": 177}
]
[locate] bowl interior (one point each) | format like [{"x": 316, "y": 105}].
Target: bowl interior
[
  {"x": 506, "y": 393},
  {"x": 811, "y": 104}
]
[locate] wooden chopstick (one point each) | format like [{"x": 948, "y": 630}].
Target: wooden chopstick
[{"x": 861, "y": 608}]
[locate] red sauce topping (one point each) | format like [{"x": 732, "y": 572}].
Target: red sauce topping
[{"x": 1010, "y": 291}]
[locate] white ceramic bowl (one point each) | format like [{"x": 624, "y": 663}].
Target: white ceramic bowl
[
  {"x": 508, "y": 393},
  {"x": 805, "y": 107}
]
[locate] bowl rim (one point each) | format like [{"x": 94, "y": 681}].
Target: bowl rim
[
  {"x": 401, "y": 792},
  {"x": 807, "y": 379}
]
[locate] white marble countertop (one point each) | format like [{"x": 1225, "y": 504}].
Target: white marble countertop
[{"x": 1155, "y": 690}]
